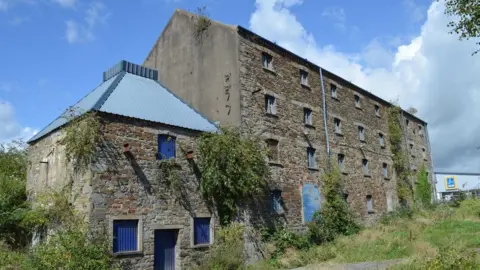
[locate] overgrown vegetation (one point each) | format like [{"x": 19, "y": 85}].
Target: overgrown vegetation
[
  {"x": 334, "y": 218},
  {"x": 423, "y": 188},
  {"x": 466, "y": 22},
  {"x": 233, "y": 170},
  {"x": 202, "y": 23},
  {"x": 400, "y": 160},
  {"x": 82, "y": 135}
]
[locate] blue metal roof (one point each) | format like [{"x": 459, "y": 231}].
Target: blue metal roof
[{"x": 138, "y": 97}]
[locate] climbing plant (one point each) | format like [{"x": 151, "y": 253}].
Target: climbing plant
[
  {"x": 423, "y": 188},
  {"x": 82, "y": 135},
  {"x": 400, "y": 162},
  {"x": 234, "y": 168}
]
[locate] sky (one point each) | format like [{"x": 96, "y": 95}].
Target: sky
[{"x": 53, "y": 52}]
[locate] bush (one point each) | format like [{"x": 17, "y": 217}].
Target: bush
[
  {"x": 283, "y": 239},
  {"x": 335, "y": 217},
  {"x": 446, "y": 259},
  {"x": 469, "y": 208},
  {"x": 228, "y": 251},
  {"x": 399, "y": 213},
  {"x": 458, "y": 198}
]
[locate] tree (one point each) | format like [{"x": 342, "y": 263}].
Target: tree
[{"x": 468, "y": 24}]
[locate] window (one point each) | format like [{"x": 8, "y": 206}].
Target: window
[
  {"x": 333, "y": 88},
  {"x": 166, "y": 147},
  {"x": 270, "y": 105},
  {"x": 345, "y": 196},
  {"x": 385, "y": 170},
  {"x": 411, "y": 146},
  {"x": 125, "y": 236},
  {"x": 311, "y": 157},
  {"x": 357, "y": 101},
  {"x": 267, "y": 61},
  {"x": 380, "y": 138},
  {"x": 276, "y": 196},
  {"x": 377, "y": 110},
  {"x": 420, "y": 130},
  {"x": 365, "y": 166},
  {"x": 201, "y": 231},
  {"x": 361, "y": 133},
  {"x": 369, "y": 204},
  {"x": 407, "y": 122},
  {"x": 341, "y": 162},
  {"x": 424, "y": 153},
  {"x": 338, "y": 125},
  {"x": 307, "y": 116},
  {"x": 272, "y": 149},
  {"x": 303, "y": 77}
]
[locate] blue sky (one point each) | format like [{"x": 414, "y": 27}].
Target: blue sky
[{"x": 54, "y": 51}]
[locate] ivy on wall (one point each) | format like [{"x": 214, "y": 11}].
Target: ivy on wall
[
  {"x": 400, "y": 161},
  {"x": 234, "y": 168}
]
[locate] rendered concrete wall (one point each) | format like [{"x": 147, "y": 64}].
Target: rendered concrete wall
[{"x": 202, "y": 69}]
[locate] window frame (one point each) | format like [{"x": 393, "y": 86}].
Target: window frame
[
  {"x": 267, "y": 61},
  {"x": 304, "y": 77},
  {"x": 211, "y": 230},
  {"x": 357, "y": 100},
  {"x": 333, "y": 90},
  {"x": 337, "y": 125},
  {"x": 270, "y": 107},
  {"x": 311, "y": 158},
  {"x": 308, "y": 116},
  {"x": 361, "y": 133},
  {"x": 112, "y": 219},
  {"x": 365, "y": 169}
]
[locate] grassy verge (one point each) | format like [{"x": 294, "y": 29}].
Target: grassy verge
[{"x": 426, "y": 236}]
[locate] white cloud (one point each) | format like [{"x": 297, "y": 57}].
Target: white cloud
[
  {"x": 432, "y": 72},
  {"x": 337, "y": 14},
  {"x": 66, "y": 3},
  {"x": 10, "y": 129},
  {"x": 76, "y": 32}
]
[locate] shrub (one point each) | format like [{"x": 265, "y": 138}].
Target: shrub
[
  {"x": 335, "y": 217},
  {"x": 228, "y": 251},
  {"x": 400, "y": 213},
  {"x": 469, "y": 208},
  {"x": 458, "y": 198},
  {"x": 446, "y": 259}
]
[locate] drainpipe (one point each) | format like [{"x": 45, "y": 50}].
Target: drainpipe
[{"x": 325, "y": 115}]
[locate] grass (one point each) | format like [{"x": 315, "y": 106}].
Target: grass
[{"x": 422, "y": 237}]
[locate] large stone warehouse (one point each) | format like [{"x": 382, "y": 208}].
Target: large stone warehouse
[{"x": 197, "y": 70}]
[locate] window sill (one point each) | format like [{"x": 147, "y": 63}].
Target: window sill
[
  {"x": 310, "y": 126},
  {"x": 378, "y": 116},
  {"x": 271, "y": 115},
  {"x": 306, "y": 86},
  {"x": 275, "y": 163},
  {"x": 202, "y": 246},
  {"x": 367, "y": 175},
  {"x": 313, "y": 169},
  {"x": 359, "y": 108},
  {"x": 270, "y": 70},
  {"x": 335, "y": 98},
  {"x": 339, "y": 134},
  {"x": 363, "y": 141},
  {"x": 128, "y": 253}
]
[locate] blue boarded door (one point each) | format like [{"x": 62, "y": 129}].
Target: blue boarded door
[
  {"x": 310, "y": 200},
  {"x": 164, "y": 257}
]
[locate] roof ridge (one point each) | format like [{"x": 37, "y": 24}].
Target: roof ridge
[{"x": 109, "y": 91}]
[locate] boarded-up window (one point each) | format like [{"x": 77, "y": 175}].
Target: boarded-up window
[
  {"x": 311, "y": 157},
  {"x": 303, "y": 77},
  {"x": 341, "y": 162},
  {"x": 270, "y": 104},
  {"x": 310, "y": 201},
  {"x": 338, "y": 125},
  {"x": 369, "y": 204},
  {"x": 365, "y": 166},
  {"x": 361, "y": 133},
  {"x": 272, "y": 149}
]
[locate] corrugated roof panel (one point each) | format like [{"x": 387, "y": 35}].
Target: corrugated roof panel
[
  {"x": 84, "y": 105},
  {"x": 146, "y": 99}
]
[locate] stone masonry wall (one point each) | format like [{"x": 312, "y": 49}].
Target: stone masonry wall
[
  {"x": 288, "y": 128},
  {"x": 128, "y": 186}
]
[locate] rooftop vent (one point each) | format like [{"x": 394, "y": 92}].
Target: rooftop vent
[{"x": 130, "y": 68}]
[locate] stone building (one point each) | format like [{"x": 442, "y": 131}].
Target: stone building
[
  {"x": 121, "y": 192},
  {"x": 305, "y": 114}
]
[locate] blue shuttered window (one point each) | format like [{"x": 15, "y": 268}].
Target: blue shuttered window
[
  {"x": 276, "y": 201},
  {"x": 125, "y": 235},
  {"x": 201, "y": 231},
  {"x": 166, "y": 147}
]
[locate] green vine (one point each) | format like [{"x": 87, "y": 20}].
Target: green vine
[
  {"x": 400, "y": 161},
  {"x": 234, "y": 169},
  {"x": 169, "y": 174},
  {"x": 82, "y": 135}
]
